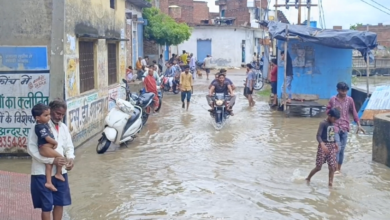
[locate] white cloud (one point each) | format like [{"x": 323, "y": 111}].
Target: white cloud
[{"x": 337, "y": 12}]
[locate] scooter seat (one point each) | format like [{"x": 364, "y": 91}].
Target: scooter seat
[
  {"x": 146, "y": 97},
  {"x": 133, "y": 118}
]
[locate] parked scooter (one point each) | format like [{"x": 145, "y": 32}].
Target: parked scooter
[
  {"x": 160, "y": 96},
  {"x": 121, "y": 125},
  {"x": 144, "y": 101}
]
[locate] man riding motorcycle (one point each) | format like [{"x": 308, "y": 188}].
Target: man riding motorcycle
[
  {"x": 223, "y": 71},
  {"x": 221, "y": 86}
]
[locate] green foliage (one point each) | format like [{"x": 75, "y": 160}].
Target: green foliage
[
  {"x": 266, "y": 91},
  {"x": 163, "y": 29},
  {"x": 355, "y": 26}
]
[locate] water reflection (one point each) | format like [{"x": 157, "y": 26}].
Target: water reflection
[{"x": 254, "y": 168}]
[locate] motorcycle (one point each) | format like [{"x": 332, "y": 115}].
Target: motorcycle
[
  {"x": 220, "y": 112},
  {"x": 143, "y": 100},
  {"x": 121, "y": 125},
  {"x": 166, "y": 87},
  {"x": 259, "y": 81}
]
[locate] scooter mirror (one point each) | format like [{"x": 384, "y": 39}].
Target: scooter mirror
[{"x": 123, "y": 80}]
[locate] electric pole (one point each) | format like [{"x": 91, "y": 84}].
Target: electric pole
[{"x": 298, "y": 5}]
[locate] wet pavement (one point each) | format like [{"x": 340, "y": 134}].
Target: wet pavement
[{"x": 180, "y": 167}]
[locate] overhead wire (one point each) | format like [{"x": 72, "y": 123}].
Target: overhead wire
[
  {"x": 320, "y": 16},
  {"x": 375, "y": 7},
  {"x": 323, "y": 13},
  {"x": 381, "y": 5}
]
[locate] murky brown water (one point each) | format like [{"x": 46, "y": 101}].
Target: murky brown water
[{"x": 254, "y": 168}]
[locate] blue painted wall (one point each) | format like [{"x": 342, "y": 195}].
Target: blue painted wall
[
  {"x": 203, "y": 48},
  {"x": 331, "y": 65},
  {"x": 23, "y": 58}
]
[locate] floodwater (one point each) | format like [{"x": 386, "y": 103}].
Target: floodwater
[
  {"x": 374, "y": 81},
  {"x": 180, "y": 167}
]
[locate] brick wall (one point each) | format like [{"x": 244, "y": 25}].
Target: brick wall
[
  {"x": 150, "y": 48},
  {"x": 201, "y": 12},
  {"x": 213, "y": 15},
  {"x": 187, "y": 9},
  {"x": 262, "y": 4},
  {"x": 239, "y": 10},
  {"x": 383, "y": 32},
  {"x": 164, "y": 6},
  {"x": 175, "y": 12}
]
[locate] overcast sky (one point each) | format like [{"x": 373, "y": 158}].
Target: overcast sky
[{"x": 337, "y": 12}]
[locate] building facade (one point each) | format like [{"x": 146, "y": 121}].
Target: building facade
[
  {"x": 72, "y": 50},
  {"x": 226, "y": 52},
  {"x": 243, "y": 12}
]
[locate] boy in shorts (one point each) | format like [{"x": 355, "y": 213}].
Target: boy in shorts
[
  {"x": 46, "y": 142},
  {"x": 327, "y": 147}
]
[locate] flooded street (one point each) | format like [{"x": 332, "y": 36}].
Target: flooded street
[{"x": 180, "y": 167}]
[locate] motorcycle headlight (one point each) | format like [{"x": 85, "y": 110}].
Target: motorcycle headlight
[{"x": 219, "y": 102}]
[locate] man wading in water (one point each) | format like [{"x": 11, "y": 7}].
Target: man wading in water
[
  {"x": 327, "y": 147},
  {"x": 346, "y": 106},
  {"x": 186, "y": 86}
]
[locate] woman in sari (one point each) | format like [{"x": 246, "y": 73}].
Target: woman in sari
[{"x": 151, "y": 86}]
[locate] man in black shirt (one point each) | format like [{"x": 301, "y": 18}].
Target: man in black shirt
[
  {"x": 222, "y": 86},
  {"x": 289, "y": 75}
]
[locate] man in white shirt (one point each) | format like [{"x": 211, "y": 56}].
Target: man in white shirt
[
  {"x": 42, "y": 197},
  {"x": 145, "y": 61},
  {"x": 192, "y": 65},
  {"x": 206, "y": 65}
]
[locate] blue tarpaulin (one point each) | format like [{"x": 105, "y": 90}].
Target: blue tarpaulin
[{"x": 362, "y": 41}]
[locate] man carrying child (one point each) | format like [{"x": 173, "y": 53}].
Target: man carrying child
[{"x": 49, "y": 124}]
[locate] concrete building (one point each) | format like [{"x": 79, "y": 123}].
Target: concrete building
[
  {"x": 313, "y": 74},
  {"x": 231, "y": 51},
  {"x": 73, "y": 50},
  {"x": 135, "y": 29},
  {"x": 244, "y": 12}
]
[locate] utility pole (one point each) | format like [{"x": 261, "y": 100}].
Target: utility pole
[
  {"x": 299, "y": 11},
  {"x": 276, "y": 10},
  {"x": 308, "y": 12},
  {"x": 298, "y": 4}
]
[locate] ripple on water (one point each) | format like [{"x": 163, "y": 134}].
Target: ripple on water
[{"x": 254, "y": 168}]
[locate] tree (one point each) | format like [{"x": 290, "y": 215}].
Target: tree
[
  {"x": 163, "y": 29},
  {"x": 355, "y": 26}
]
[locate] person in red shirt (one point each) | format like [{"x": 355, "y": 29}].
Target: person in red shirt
[
  {"x": 151, "y": 86},
  {"x": 273, "y": 78}
]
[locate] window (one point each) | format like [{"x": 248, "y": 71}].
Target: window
[
  {"x": 87, "y": 66},
  {"x": 112, "y": 4},
  {"x": 112, "y": 70}
]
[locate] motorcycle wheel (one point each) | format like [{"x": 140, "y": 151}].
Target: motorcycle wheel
[
  {"x": 159, "y": 104},
  {"x": 103, "y": 145},
  {"x": 259, "y": 84},
  {"x": 218, "y": 117},
  {"x": 145, "y": 115}
]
